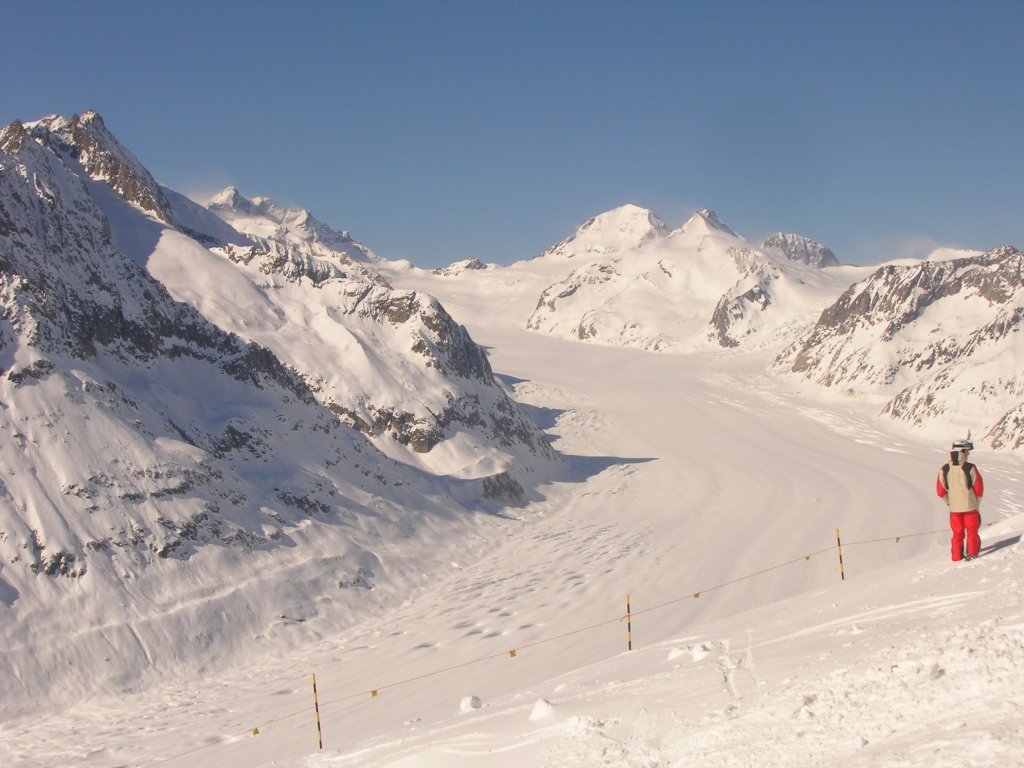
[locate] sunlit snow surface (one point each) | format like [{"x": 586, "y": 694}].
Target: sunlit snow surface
[{"x": 696, "y": 474}]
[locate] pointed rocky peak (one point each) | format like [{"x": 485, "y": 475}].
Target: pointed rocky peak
[
  {"x": 627, "y": 227},
  {"x": 262, "y": 217},
  {"x": 704, "y": 222},
  {"x": 12, "y": 137},
  {"x": 230, "y": 203},
  {"x": 105, "y": 159},
  {"x": 800, "y": 249},
  {"x": 229, "y": 198}
]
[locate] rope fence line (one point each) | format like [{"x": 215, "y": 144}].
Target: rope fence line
[
  {"x": 512, "y": 653},
  {"x": 897, "y": 538}
]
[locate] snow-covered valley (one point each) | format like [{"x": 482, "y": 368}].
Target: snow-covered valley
[
  {"x": 241, "y": 450},
  {"x": 692, "y": 473}
]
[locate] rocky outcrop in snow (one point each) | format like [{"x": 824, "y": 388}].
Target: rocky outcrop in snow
[
  {"x": 936, "y": 339},
  {"x": 800, "y": 249},
  {"x": 737, "y": 314},
  {"x": 393, "y": 364},
  {"x": 460, "y": 267},
  {"x": 262, "y": 218}
]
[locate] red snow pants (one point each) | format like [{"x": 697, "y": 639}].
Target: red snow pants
[{"x": 965, "y": 523}]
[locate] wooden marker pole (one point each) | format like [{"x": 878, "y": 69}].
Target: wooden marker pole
[
  {"x": 629, "y": 626},
  {"x": 839, "y": 547},
  {"x": 316, "y": 706}
]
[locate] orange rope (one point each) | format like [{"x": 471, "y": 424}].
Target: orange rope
[{"x": 534, "y": 644}]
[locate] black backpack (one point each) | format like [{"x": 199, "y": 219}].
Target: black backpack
[{"x": 967, "y": 467}]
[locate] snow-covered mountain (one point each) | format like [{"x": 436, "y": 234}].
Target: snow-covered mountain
[
  {"x": 234, "y": 453},
  {"x": 393, "y": 364},
  {"x": 262, "y": 218},
  {"x": 634, "y": 282},
  {"x": 938, "y": 341},
  {"x": 924, "y": 341},
  {"x": 147, "y": 443},
  {"x": 626, "y": 228}
]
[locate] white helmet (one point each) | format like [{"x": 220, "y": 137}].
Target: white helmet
[{"x": 963, "y": 445}]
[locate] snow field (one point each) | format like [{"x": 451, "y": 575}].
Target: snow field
[{"x": 838, "y": 673}]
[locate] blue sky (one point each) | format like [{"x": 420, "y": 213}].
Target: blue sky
[{"x": 439, "y": 131}]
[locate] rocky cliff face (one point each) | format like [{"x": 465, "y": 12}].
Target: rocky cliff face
[
  {"x": 156, "y": 423},
  {"x": 99, "y": 364},
  {"x": 362, "y": 325},
  {"x": 85, "y": 139},
  {"x": 67, "y": 289},
  {"x": 800, "y": 249},
  {"x": 737, "y": 312},
  {"x": 937, "y": 338},
  {"x": 450, "y": 389}
]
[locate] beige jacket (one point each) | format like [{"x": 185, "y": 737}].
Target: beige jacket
[{"x": 960, "y": 496}]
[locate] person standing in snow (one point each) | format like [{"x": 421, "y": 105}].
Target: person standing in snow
[{"x": 960, "y": 484}]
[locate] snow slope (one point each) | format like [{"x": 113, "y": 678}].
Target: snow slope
[{"x": 692, "y": 474}]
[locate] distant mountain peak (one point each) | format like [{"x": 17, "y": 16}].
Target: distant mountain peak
[
  {"x": 705, "y": 222},
  {"x": 713, "y": 220},
  {"x": 231, "y": 201},
  {"x": 624, "y": 228},
  {"x": 228, "y": 197},
  {"x": 629, "y": 221},
  {"x": 800, "y": 249},
  {"x": 262, "y": 217},
  {"x": 86, "y": 138}
]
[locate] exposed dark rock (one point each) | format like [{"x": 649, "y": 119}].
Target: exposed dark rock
[
  {"x": 800, "y": 249},
  {"x": 502, "y": 487}
]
